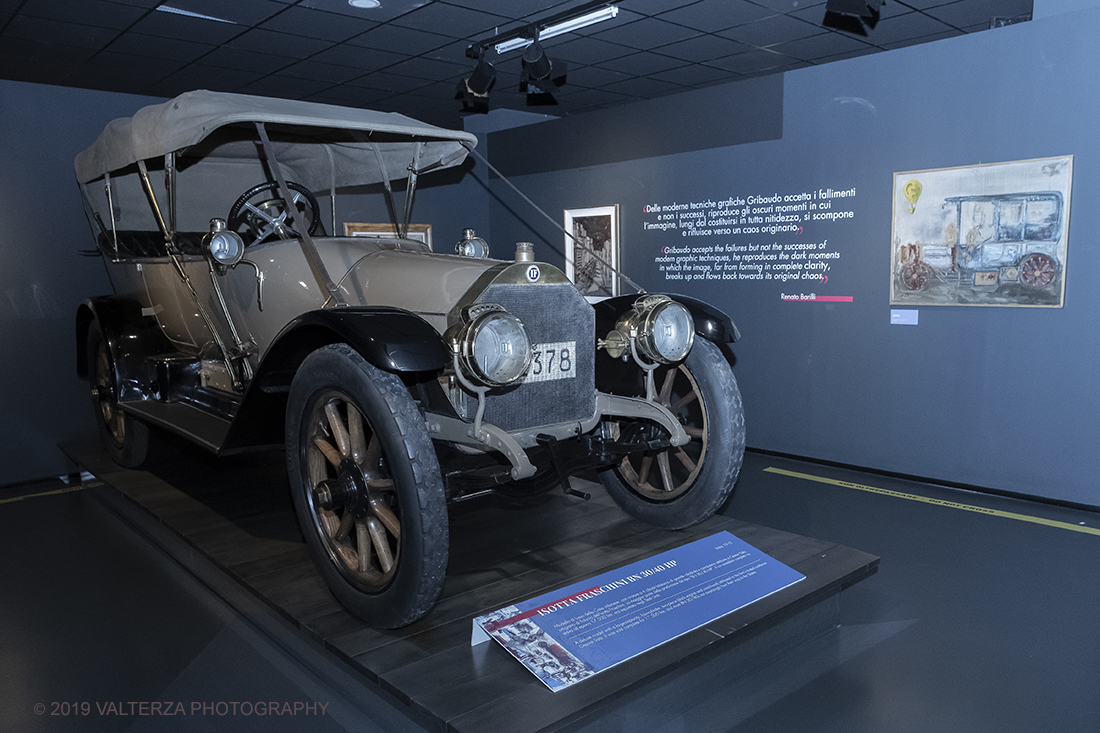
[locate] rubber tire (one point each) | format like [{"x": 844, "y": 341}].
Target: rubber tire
[
  {"x": 392, "y": 415},
  {"x": 722, "y": 461},
  {"x": 132, "y": 450}
]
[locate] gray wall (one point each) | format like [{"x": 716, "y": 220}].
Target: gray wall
[
  {"x": 996, "y": 397},
  {"x": 42, "y": 275}
]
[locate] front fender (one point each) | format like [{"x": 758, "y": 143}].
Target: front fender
[
  {"x": 710, "y": 322},
  {"x": 392, "y": 339},
  {"x": 389, "y": 338}
]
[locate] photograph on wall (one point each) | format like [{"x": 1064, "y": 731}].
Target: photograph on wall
[
  {"x": 592, "y": 252},
  {"x": 987, "y": 235},
  {"x": 417, "y": 232}
]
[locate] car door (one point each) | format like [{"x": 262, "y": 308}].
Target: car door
[{"x": 172, "y": 303}]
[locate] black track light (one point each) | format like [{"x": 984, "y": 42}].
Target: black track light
[
  {"x": 852, "y": 16},
  {"x": 541, "y": 76},
  {"x": 474, "y": 90}
]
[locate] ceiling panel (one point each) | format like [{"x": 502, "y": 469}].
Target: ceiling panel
[
  {"x": 141, "y": 45},
  {"x": 771, "y": 30},
  {"x": 458, "y": 21},
  {"x": 285, "y": 44},
  {"x": 924, "y": 39},
  {"x": 38, "y": 52},
  {"x": 647, "y": 33},
  {"x": 407, "y": 55},
  {"x": 303, "y": 21},
  {"x": 58, "y": 31},
  {"x": 643, "y": 64},
  {"x": 755, "y": 61},
  {"x": 583, "y": 50},
  {"x": 359, "y": 57},
  {"x": 281, "y": 85},
  {"x": 84, "y": 12},
  {"x": 693, "y": 75},
  {"x": 244, "y": 60},
  {"x": 823, "y": 45},
  {"x": 902, "y": 28},
  {"x": 715, "y": 15},
  {"x": 789, "y": 6},
  {"x": 399, "y": 39},
  {"x": 171, "y": 25},
  {"x": 700, "y": 49}
]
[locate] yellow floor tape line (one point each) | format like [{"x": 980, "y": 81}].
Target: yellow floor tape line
[
  {"x": 938, "y": 502},
  {"x": 66, "y": 490}
]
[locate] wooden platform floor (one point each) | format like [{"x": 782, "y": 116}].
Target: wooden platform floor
[{"x": 236, "y": 515}]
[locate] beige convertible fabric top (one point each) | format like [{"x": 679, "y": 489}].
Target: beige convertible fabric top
[{"x": 323, "y": 144}]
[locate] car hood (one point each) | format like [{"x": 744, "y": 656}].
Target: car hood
[{"x": 426, "y": 283}]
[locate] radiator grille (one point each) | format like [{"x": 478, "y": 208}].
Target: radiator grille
[{"x": 552, "y": 314}]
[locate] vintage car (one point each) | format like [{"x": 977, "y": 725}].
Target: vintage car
[
  {"x": 396, "y": 378},
  {"x": 990, "y": 240}
]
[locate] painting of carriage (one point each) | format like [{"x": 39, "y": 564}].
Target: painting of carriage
[{"x": 992, "y": 235}]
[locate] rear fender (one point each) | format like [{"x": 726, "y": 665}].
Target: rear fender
[{"x": 131, "y": 338}]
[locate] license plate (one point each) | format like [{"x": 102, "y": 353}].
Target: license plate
[{"x": 557, "y": 360}]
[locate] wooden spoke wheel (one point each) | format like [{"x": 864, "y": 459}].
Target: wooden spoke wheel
[
  {"x": 1038, "y": 270},
  {"x": 915, "y": 275},
  {"x": 353, "y": 504},
  {"x": 366, "y": 486},
  {"x": 125, "y": 437},
  {"x": 669, "y": 473},
  {"x": 683, "y": 485}
]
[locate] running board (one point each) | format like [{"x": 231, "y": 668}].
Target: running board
[{"x": 191, "y": 422}]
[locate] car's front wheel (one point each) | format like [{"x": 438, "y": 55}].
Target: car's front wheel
[
  {"x": 366, "y": 486},
  {"x": 683, "y": 485}
]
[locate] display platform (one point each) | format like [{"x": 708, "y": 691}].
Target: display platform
[{"x": 233, "y": 518}]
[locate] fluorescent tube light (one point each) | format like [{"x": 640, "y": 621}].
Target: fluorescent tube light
[
  {"x": 189, "y": 14},
  {"x": 566, "y": 26}
]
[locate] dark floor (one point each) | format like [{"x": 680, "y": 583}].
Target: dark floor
[{"x": 983, "y": 616}]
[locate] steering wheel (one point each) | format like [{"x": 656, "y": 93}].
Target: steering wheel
[{"x": 267, "y": 216}]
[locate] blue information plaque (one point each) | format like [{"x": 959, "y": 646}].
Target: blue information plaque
[{"x": 570, "y": 634}]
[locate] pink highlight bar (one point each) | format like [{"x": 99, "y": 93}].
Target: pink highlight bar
[
  {"x": 538, "y": 611},
  {"x": 811, "y": 297}
]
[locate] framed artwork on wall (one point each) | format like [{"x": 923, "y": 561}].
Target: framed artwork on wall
[
  {"x": 986, "y": 235},
  {"x": 417, "y": 232},
  {"x": 595, "y": 237}
]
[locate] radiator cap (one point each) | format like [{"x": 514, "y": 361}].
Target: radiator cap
[{"x": 525, "y": 252}]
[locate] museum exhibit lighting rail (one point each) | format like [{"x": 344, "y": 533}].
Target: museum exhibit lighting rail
[{"x": 541, "y": 76}]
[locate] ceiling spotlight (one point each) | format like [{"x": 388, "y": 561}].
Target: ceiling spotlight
[
  {"x": 541, "y": 76},
  {"x": 474, "y": 90},
  {"x": 852, "y": 16},
  {"x": 535, "y": 62},
  {"x": 364, "y": 3}
]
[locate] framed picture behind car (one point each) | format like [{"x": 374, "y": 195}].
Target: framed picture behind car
[
  {"x": 595, "y": 237},
  {"x": 417, "y": 232}
]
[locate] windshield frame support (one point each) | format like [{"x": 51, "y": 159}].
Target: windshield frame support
[{"x": 309, "y": 249}]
